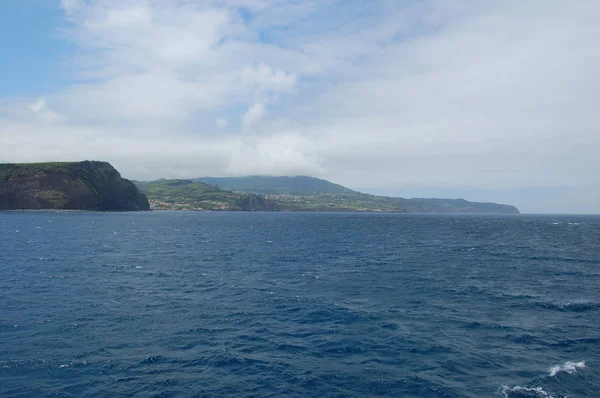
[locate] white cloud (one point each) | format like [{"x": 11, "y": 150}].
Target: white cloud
[
  {"x": 288, "y": 154},
  {"x": 222, "y": 122},
  {"x": 138, "y": 153},
  {"x": 497, "y": 95},
  {"x": 38, "y": 106},
  {"x": 267, "y": 79},
  {"x": 254, "y": 114},
  {"x": 42, "y": 112},
  {"x": 69, "y": 5},
  {"x": 165, "y": 62}
]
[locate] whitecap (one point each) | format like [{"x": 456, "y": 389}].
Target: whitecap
[
  {"x": 518, "y": 391},
  {"x": 139, "y": 267},
  {"x": 578, "y": 305},
  {"x": 570, "y": 367}
]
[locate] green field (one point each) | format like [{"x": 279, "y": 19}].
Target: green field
[
  {"x": 293, "y": 194},
  {"x": 188, "y": 195}
]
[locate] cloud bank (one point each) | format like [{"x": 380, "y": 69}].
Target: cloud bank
[{"x": 496, "y": 99}]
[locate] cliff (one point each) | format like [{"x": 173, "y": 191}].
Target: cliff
[{"x": 87, "y": 185}]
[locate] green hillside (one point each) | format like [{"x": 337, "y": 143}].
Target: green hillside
[
  {"x": 188, "y": 195},
  {"x": 302, "y": 193},
  {"x": 87, "y": 185},
  {"x": 268, "y": 185},
  {"x": 293, "y": 194}
]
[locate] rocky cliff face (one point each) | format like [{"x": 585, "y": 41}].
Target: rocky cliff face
[
  {"x": 252, "y": 202},
  {"x": 87, "y": 185}
]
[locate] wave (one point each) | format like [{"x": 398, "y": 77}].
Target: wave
[
  {"x": 524, "y": 392},
  {"x": 570, "y": 306},
  {"x": 574, "y": 342},
  {"x": 569, "y": 367}
]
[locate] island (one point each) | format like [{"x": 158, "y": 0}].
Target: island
[
  {"x": 98, "y": 186},
  {"x": 294, "y": 193},
  {"x": 86, "y": 185}
]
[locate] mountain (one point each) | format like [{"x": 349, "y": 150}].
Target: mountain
[
  {"x": 188, "y": 195},
  {"x": 87, "y": 185},
  {"x": 302, "y": 193},
  {"x": 267, "y": 185}
]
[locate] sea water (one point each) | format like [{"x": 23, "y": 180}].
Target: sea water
[{"x": 215, "y": 304}]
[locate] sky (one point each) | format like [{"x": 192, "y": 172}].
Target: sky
[{"x": 494, "y": 100}]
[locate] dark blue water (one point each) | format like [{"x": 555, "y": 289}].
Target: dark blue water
[{"x": 183, "y": 304}]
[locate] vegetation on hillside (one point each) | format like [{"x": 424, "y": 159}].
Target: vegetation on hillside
[
  {"x": 98, "y": 186},
  {"x": 87, "y": 185},
  {"x": 303, "y": 193},
  {"x": 188, "y": 195},
  {"x": 294, "y": 194},
  {"x": 269, "y": 185}
]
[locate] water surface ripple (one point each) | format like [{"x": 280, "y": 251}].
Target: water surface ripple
[{"x": 178, "y": 304}]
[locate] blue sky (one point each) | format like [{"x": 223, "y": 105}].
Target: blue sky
[
  {"x": 490, "y": 101},
  {"x": 31, "y": 47}
]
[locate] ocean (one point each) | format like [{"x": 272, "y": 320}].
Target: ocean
[{"x": 225, "y": 304}]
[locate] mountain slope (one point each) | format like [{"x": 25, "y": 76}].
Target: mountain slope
[
  {"x": 188, "y": 195},
  {"x": 303, "y": 193},
  {"x": 268, "y": 185},
  {"x": 87, "y": 185}
]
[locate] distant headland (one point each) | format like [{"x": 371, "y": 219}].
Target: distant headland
[{"x": 87, "y": 185}]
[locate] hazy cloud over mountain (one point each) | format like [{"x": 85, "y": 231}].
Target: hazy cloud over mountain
[{"x": 490, "y": 100}]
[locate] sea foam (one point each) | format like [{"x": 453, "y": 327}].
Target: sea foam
[
  {"x": 518, "y": 391},
  {"x": 569, "y": 367}
]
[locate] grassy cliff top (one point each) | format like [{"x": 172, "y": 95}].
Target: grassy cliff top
[
  {"x": 85, "y": 185},
  {"x": 8, "y": 170}
]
